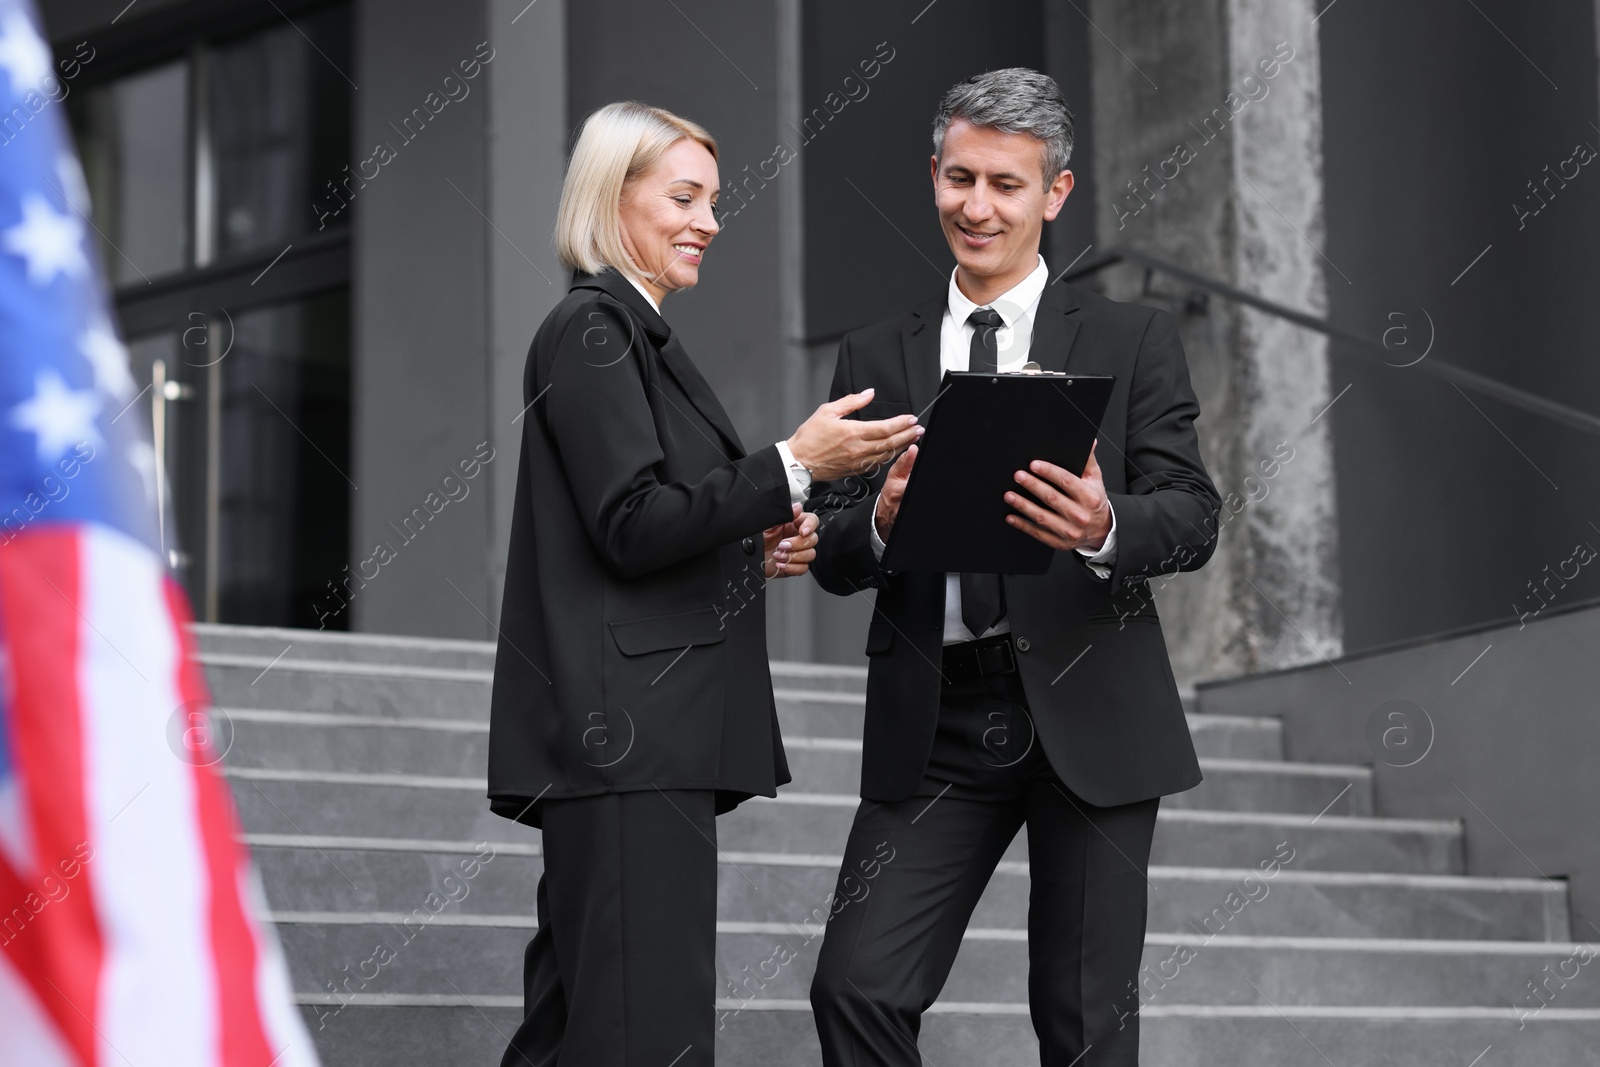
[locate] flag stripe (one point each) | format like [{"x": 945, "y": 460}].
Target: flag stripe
[
  {"x": 242, "y": 1039},
  {"x": 150, "y": 881},
  {"x": 61, "y": 948},
  {"x": 30, "y": 1036}
]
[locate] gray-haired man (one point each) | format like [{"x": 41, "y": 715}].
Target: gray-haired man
[{"x": 997, "y": 702}]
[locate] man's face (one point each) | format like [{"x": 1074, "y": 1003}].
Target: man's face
[{"x": 992, "y": 198}]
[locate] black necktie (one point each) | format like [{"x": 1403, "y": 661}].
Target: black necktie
[{"x": 983, "y": 601}]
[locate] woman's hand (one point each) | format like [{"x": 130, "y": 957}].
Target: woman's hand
[
  {"x": 831, "y": 446},
  {"x": 790, "y": 548}
]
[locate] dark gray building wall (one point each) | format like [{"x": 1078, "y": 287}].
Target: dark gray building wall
[
  {"x": 1434, "y": 125},
  {"x": 1067, "y": 59},
  {"x": 420, "y": 292},
  {"x": 1504, "y": 742},
  {"x": 873, "y": 243},
  {"x": 714, "y": 63}
]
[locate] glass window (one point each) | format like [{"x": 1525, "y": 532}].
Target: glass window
[
  {"x": 280, "y": 122},
  {"x": 133, "y": 140}
]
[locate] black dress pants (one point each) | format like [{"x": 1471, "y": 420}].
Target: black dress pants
[
  {"x": 885, "y": 958},
  {"x": 622, "y": 970}
]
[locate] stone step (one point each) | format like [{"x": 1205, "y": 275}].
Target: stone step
[
  {"x": 385, "y": 690},
  {"x": 1276, "y": 786},
  {"x": 812, "y": 702},
  {"x": 776, "y": 960},
  {"x": 819, "y": 677},
  {"x": 383, "y": 1032},
  {"x": 424, "y": 949},
  {"x": 1236, "y": 737},
  {"x": 349, "y": 874},
  {"x": 289, "y": 680},
  {"x": 1184, "y": 837},
  {"x": 324, "y": 740},
  {"x": 1200, "y": 1036},
  {"x": 268, "y": 642},
  {"x": 334, "y": 741},
  {"x": 379, "y": 805},
  {"x": 330, "y": 741},
  {"x": 819, "y": 714}
]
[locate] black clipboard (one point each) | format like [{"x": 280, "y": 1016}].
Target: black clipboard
[{"x": 981, "y": 429}]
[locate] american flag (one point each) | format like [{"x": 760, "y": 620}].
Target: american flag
[{"x": 127, "y": 903}]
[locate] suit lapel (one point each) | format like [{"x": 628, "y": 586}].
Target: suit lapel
[
  {"x": 673, "y": 356},
  {"x": 919, "y": 346},
  {"x": 1055, "y": 327},
  {"x": 699, "y": 391}
]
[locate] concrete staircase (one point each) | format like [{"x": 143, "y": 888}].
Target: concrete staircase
[{"x": 1289, "y": 924}]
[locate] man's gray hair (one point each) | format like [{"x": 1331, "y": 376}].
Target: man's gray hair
[{"x": 1013, "y": 100}]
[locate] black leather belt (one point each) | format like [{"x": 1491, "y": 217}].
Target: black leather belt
[{"x": 968, "y": 661}]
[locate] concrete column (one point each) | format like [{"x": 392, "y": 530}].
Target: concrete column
[
  {"x": 453, "y": 272},
  {"x": 792, "y": 604},
  {"x": 526, "y": 163},
  {"x": 420, "y": 298},
  {"x": 1208, "y": 153}
]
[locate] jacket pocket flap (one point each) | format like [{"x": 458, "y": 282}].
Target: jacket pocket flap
[
  {"x": 653, "y": 633},
  {"x": 880, "y": 634}
]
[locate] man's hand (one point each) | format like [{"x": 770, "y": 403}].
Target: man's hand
[
  {"x": 894, "y": 487},
  {"x": 790, "y": 548},
  {"x": 1075, "y": 512}
]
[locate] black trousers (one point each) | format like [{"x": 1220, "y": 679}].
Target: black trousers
[
  {"x": 885, "y": 958},
  {"x": 622, "y": 970}
]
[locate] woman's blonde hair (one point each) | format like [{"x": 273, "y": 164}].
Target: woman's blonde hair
[{"x": 618, "y": 143}]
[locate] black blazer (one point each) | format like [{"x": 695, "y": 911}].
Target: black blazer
[
  {"x": 632, "y": 650},
  {"x": 1090, "y": 651}
]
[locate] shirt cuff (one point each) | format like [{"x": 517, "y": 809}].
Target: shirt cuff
[
  {"x": 872, "y": 525},
  {"x": 799, "y": 484},
  {"x": 1100, "y": 561}
]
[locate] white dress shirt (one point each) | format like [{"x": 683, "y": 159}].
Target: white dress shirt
[
  {"x": 1017, "y": 309},
  {"x": 799, "y": 484}
]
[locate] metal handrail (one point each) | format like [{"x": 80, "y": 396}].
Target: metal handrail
[{"x": 1459, "y": 376}]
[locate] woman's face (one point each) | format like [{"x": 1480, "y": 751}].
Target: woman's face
[{"x": 667, "y": 217}]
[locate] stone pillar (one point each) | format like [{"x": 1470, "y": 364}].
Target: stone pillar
[
  {"x": 526, "y": 152},
  {"x": 453, "y": 271},
  {"x": 419, "y": 296},
  {"x": 1208, "y": 153},
  {"x": 792, "y": 604}
]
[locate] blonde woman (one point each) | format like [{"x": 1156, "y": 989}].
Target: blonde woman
[{"x": 632, "y": 700}]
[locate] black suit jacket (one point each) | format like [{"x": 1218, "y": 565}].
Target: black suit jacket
[
  {"x": 632, "y": 650},
  {"x": 1090, "y": 651}
]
